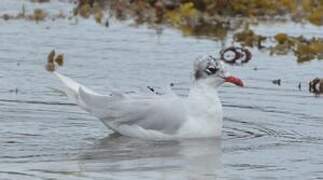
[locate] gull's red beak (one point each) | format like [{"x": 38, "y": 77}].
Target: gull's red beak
[{"x": 234, "y": 80}]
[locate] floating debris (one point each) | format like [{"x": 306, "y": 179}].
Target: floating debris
[
  {"x": 60, "y": 59},
  {"x": 316, "y": 86},
  {"x": 6, "y": 17},
  {"x": 153, "y": 90},
  {"x": 235, "y": 55},
  {"x": 52, "y": 61},
  {"x": 300, "y": 86},
  {"x": 16, "y": 90},
  {"x": 50, "y": 67},
  {"x": 107, "y": 23},
  {"x": 51, "y": 55},
  {"x": 277, "y": 82}
]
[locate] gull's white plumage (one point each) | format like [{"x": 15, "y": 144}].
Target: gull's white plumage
[{"x": 159, "y": 116}]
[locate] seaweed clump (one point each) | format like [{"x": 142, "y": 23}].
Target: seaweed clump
[
  {"x": 215, "y": 19},
  {"x": 309, "y": 50},
  {"x": 209, "y": 18},
  {"x": 249, "y": 38},
  {"x": 304, "y": 49},
  {"x": 86, "y": 8},
  {"x": 37, "y": 15}
]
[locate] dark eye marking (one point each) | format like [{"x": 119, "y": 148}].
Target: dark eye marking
[{"x": 211, "y": 70}]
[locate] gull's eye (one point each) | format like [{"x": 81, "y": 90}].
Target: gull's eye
[{"x": 211, "y": 70}]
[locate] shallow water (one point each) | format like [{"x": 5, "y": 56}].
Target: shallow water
[{"x": 270, "y": 132}]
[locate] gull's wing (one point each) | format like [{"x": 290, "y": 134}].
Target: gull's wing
[{"x": 165, "y": 113}]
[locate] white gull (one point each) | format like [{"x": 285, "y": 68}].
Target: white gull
[{"x": 161, "y": 116}]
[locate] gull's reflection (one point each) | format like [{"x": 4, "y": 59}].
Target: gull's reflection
[{"x": 121, "y": 157}]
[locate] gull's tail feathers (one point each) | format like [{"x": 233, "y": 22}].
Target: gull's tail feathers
[
  {"x": 71, "y": 89},
  {"x": 87, "y": 99}
]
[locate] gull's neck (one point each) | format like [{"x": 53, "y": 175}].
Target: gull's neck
[
  {"x": 203, "y": 90},
  {"x": 205, "y": 85},
  {"x": 204, "y": 107}
]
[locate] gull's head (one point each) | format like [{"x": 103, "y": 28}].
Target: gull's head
[{"x": 213, "y": 72}]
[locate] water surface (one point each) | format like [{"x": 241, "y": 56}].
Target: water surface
[{"x": 270, "y": 132}]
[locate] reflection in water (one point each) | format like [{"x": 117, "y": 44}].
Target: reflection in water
[{"x": 135, "y": 158}]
